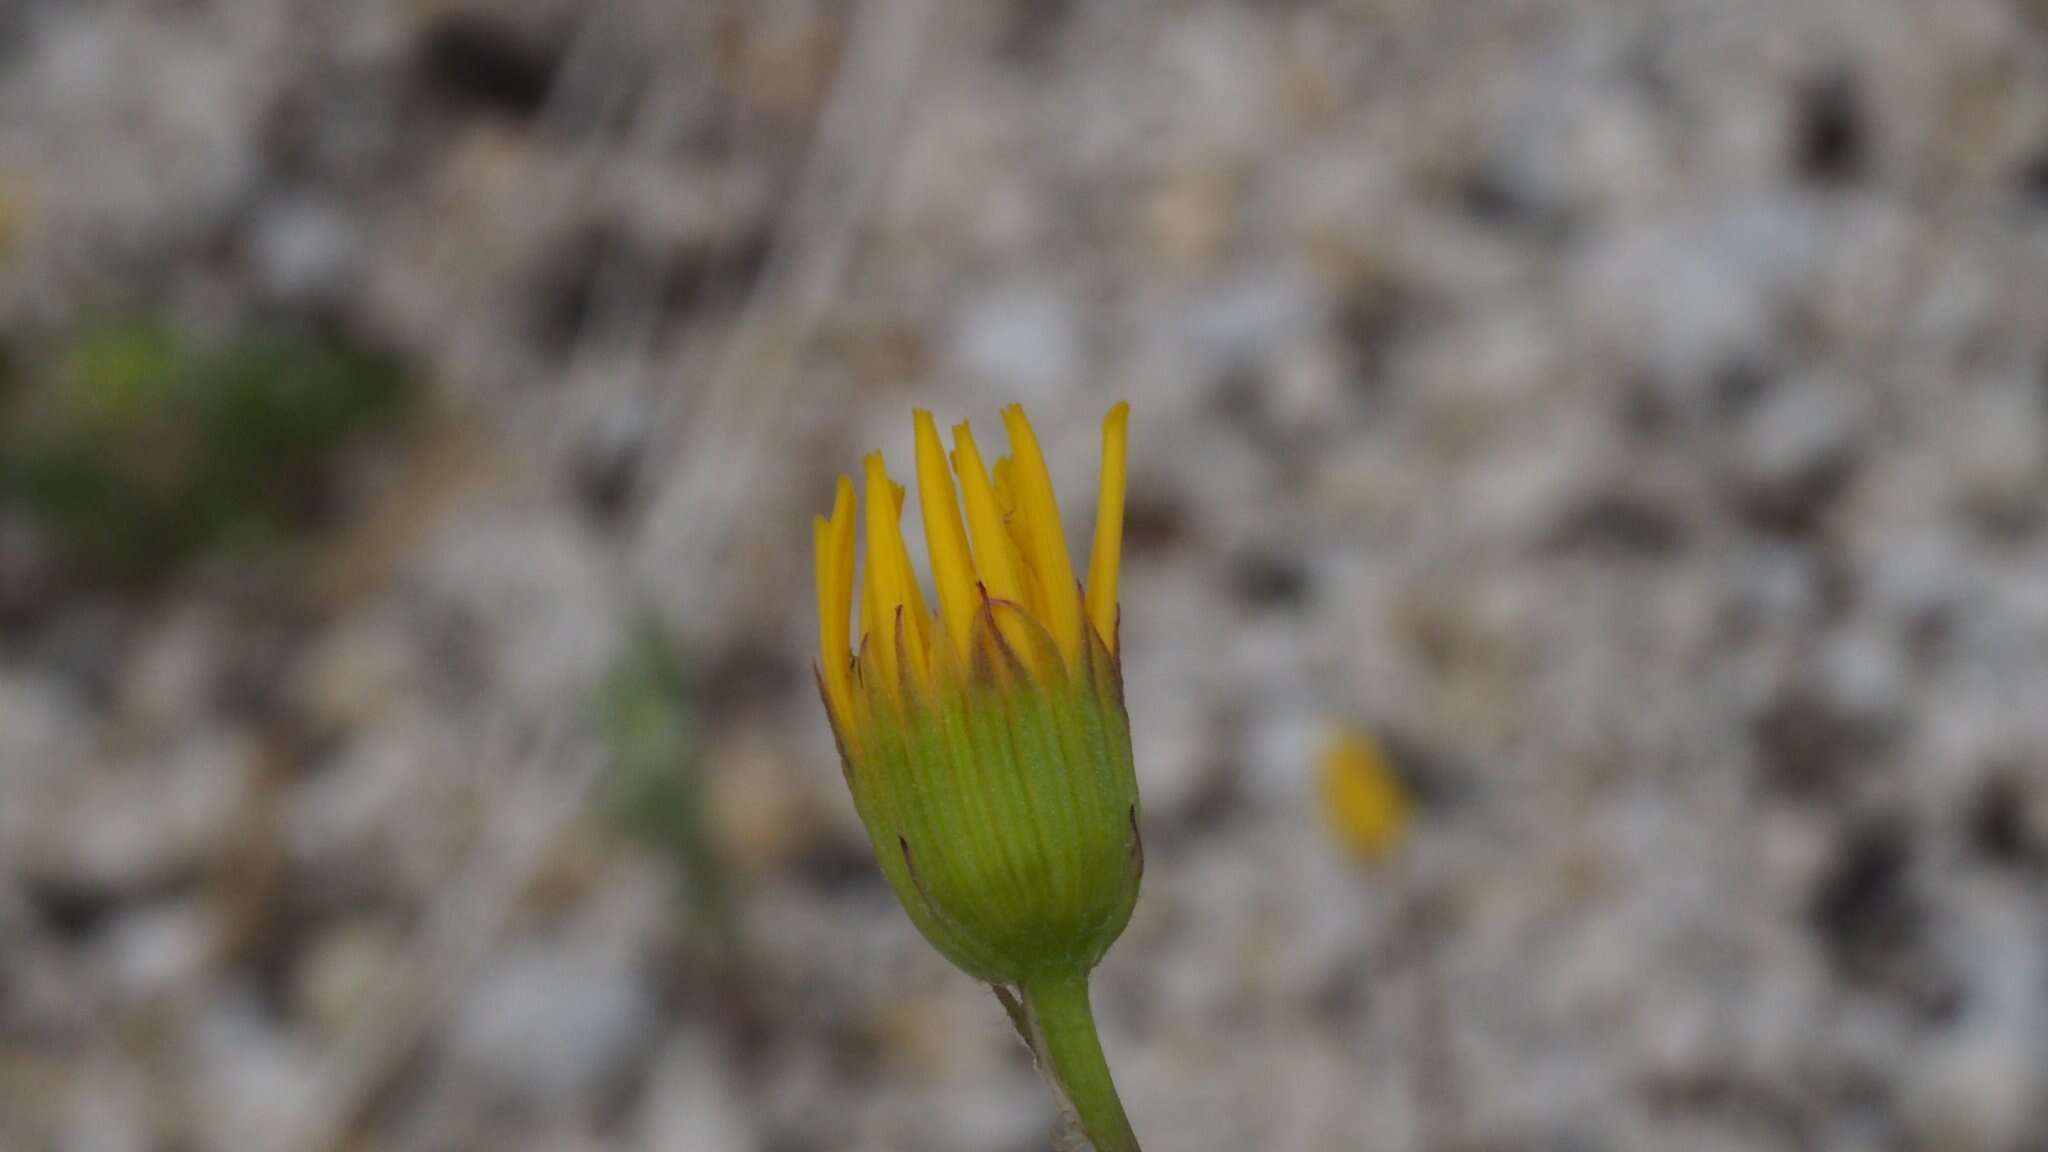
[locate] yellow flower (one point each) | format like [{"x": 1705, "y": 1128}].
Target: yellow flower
[
  {"x": 1363, "y": 798},
  {"x": 985, "y": 741}
]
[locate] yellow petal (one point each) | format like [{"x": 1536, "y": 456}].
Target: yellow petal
[
  {"x": 1039, "y": 514},
  {"x": 1030, "y": 588},
  {"x": 952, "y": 565},
  {"x": 1107, "y": 554},
  {"x": 995, "y": 557},
  {"x": 1006, "y": 492},
  {"x": 832, "y": 541},
  {"x": 870, "y": 624},
  {"x": 871, "y": 616},
  {"x": 893, "y": 592},
  {"x": 1364, "y": 800}
]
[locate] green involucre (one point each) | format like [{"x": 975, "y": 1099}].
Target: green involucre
[{"x": 1002, "y": 806}]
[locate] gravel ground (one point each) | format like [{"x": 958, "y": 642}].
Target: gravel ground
[{"x": 1636, "y": 414}]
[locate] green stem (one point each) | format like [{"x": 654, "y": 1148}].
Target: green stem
[{"x": 1064, "y": 1028}]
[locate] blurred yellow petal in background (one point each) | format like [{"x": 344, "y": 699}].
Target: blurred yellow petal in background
[{"x": 1364, "y": 800}]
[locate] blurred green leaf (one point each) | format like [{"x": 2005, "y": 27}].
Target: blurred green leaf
[
  {"x": 135, "y": 447},
  {"x": 655, "y": 793}
]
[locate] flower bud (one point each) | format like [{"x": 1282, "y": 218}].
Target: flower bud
[{"x": 985, "y": 743}]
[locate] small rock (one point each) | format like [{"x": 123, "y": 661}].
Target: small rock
[
  {"x": 1023, "y": 339},
  {"x": 353, "y": 672},
  {"x": 380, "y": 808},
  {"x": 1282, "y": 747},
  {"x": 168, "y": 680},
  {"x": 537, "y": 589},
  {"x": 1975, "y": 1087},
  {"x": 303, "y": 252},
  {"x": 146, "y": 125},
  {"x": 159, "y": 950},
  {"x": 694, "y": 1104},
  {"x": 988, "y": 1112},
  {"x": 1998, "y": 453},
  {"x": 554, "y": 1023},
  {"x": 605, "y": 471},
  {"x": 42, "y": 733},
  {"x": 112, "y": 832},
  {"x": 1190, "y": 217},
  {"x": 84, "y": 647},
  {"x": 1252, "y": 316},
  {"x": 251, "y": 1081},
  {"x": 1793, "y": 451},
  {"x": 1777, "y": 587},
  {"x": 109, "y": 1110},
  {"x": 1690, "y": 300},
  {"x": 1863, "y": 675},
  {"x": 1918, "y": 581},
  {"x": 759, "y": 815},
  {"x": 341, "y": 971}
]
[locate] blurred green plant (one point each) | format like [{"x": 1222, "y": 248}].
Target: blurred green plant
[
  {"x": 132, "y": 446},
  {"x": 655, "y": 793}
]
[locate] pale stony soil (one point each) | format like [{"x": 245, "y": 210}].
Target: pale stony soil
[{"x": 1637, "y": 412}]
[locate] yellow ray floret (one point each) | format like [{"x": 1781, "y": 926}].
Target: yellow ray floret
[
  {"x": 1044, "y": 540},
  {"x": 1364, "y": 800},
  {"x": 832, "y": 541},
  {"x": 953, "y": 571},
  {"x": 995, "y": 558},
  {"x": 1009, "y": 547},
  {"x": 1107, "y": 552},
  {"x": 897, "y": 621}
]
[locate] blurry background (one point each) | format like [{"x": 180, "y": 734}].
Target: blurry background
[{"x": 1633, "y": 416}]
